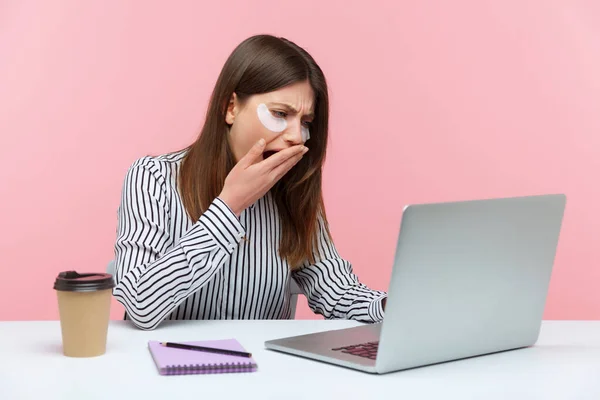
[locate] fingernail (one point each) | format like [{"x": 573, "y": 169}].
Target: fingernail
[
  {"x": 305, "y": 149},
  {"x": 261, "y": 142}
]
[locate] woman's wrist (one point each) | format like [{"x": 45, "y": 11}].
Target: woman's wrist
[{"x": 231, "y": 204}]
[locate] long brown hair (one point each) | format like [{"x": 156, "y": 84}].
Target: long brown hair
[{"x": 261, "y": 64}]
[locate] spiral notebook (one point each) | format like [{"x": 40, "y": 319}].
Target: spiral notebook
[{"x": 173, "y": 361}]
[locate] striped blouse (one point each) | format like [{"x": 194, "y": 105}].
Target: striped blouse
[{"x": 220, "y": 266}]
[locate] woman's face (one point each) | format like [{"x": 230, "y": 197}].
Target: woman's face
[{"x": 281, "y": 117}]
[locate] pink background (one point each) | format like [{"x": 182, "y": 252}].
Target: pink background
[{"x": 431, "y": 101}]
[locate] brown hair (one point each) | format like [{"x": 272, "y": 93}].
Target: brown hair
[{"x": 261, "y": 64}]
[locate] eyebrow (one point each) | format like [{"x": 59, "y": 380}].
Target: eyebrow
[{"x": 292, "y": 109}]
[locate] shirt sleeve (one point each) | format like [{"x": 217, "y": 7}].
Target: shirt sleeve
[
  {"x": 333, "y": 290},
  {"x": 153, "y": 275}
]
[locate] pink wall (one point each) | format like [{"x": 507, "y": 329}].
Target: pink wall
[{"x": 457, "y": 100}]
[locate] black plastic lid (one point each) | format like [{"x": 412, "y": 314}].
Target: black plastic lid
[{"x": 71, "y": 281}]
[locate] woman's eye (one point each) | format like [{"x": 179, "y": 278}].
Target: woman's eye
[
  {"x": 279, "y": 114},
  {"x": 306, "y": 123}
]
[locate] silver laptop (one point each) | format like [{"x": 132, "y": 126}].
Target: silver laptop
[{"x": 469, "y": 278}]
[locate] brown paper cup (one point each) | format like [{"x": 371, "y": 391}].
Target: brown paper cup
[{"x": 84, "y": 308}]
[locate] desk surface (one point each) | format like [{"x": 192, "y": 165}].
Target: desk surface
[{"x": 565, "y": 364}]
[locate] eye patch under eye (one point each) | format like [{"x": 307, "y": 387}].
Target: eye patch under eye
[
  {"x": 305, "y": 133},
  {"x": 269, "y": 121}
]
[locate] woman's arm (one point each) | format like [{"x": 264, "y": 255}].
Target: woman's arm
[
  {"x": 333, "y": 290},
  {"x": 152, "y": 281}
]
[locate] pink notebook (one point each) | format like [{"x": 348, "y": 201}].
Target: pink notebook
[{"x": 172, "y": 361}]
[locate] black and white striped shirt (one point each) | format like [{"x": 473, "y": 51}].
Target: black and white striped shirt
[{"x": 221, "y": 266}]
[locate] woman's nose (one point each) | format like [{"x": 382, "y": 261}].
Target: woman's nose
[{"x": 293, "y": 134}]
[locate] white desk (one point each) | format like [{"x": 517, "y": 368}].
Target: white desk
[{"x": 565, "y": 364}]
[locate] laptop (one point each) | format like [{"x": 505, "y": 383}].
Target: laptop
[{"x": 469, "y": 278}]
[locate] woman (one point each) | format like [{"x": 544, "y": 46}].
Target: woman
[{"x": 217, "y": 230}]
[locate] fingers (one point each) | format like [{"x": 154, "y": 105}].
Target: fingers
[
  {"x": 288, "y": 164},
  {"x": 253, "y": 154},
  {"x": 282, "y": 156}
]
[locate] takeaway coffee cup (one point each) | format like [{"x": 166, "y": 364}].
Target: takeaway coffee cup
[{"x": 84, "y": 308}]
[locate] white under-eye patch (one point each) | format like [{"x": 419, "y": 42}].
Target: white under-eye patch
[
  {"x": 271, "y": 122},
  {"x": 305, "y": 134}
]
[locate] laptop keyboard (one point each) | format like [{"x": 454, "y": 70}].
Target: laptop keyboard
[{"x": 366, "y": 350}]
